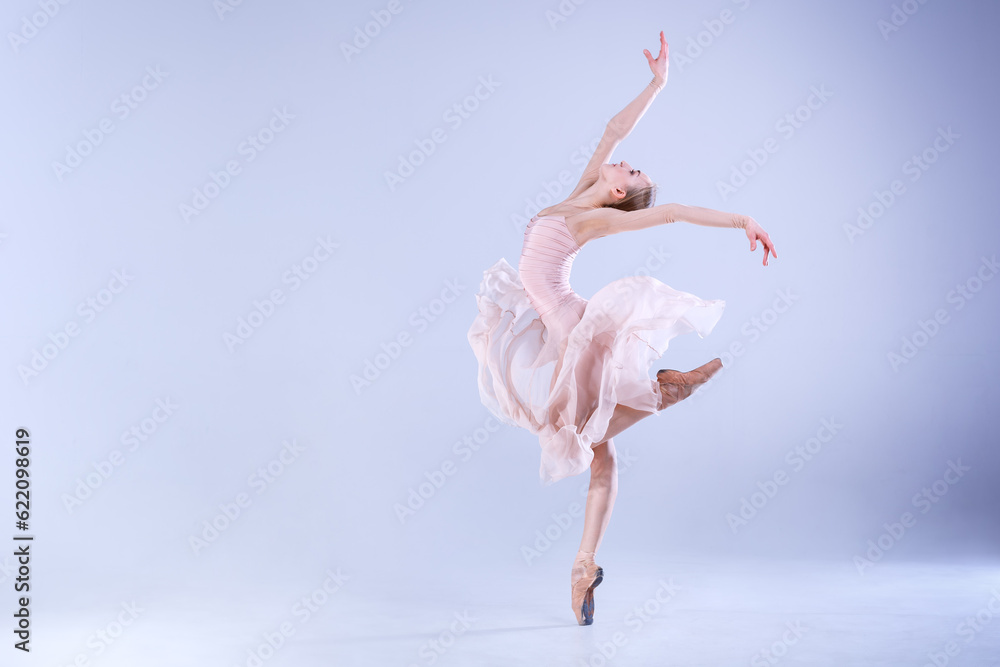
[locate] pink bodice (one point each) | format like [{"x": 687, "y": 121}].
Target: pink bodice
[{"x": 546, "y": 259}]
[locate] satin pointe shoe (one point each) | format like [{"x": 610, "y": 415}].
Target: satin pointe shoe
[
  {"x": 676, "y": 386},
  {"x": 585, "y": 577}
]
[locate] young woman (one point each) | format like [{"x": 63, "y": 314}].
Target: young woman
[{"x": 576, "y": 372}]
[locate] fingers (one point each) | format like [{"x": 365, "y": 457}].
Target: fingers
[
  {"x": 765, "y": 241},
  {"x": 663, "y": 46},
  {"x": 769, "y": 247}
]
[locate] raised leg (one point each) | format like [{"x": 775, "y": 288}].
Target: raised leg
[{"x": 622, "y": 418}]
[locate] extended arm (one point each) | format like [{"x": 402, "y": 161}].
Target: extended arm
[
  {"x": 706, "y": 217},
  {"x": 623, "y": 122},
  {"x": 605, "y": 221}
]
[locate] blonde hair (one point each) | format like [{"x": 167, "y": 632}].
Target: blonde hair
[{"x": 636, "y": 200}]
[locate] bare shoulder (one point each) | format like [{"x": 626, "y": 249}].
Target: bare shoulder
[
  {"x": 594, "y": 224},
  {"x": 585, "y": 225}
]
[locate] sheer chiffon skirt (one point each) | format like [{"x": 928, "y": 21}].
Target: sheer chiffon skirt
[{"x": 561, "y": 378}]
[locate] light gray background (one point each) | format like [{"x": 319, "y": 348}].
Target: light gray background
[{"x": 334, "y": 506}]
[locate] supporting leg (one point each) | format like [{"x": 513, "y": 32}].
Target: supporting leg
[
  {"x": 586, "y": 574},
  {"x": 600, "y": 497}
]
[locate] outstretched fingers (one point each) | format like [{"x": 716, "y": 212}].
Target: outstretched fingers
[
  {"x": 664, "y": 51},
  {"x": 765, "y": 240}
]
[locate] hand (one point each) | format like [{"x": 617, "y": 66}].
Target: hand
[
  {"x": 662, "y": 62},
  {"x": 756, "y": 233}
]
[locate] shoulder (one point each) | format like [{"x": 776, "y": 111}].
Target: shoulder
[{"x": 589, "y": 225}]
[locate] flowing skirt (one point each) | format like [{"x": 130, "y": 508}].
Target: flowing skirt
[{"x": 562, "y": 382}]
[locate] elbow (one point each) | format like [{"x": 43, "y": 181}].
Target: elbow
[
  {"x": 616, "y": 129},
  {"x": 671, "y": 213}
]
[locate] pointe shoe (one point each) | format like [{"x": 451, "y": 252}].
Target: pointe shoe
[
  {"x": 676, "y": 386},
  {"x": 591, "y": 575}
]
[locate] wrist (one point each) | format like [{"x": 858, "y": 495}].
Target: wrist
[
  {"x": 658, "y": 84},
  {"x": 741, "y": 221}
]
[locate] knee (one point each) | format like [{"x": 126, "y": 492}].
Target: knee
[{"x": 605, "y": 457}]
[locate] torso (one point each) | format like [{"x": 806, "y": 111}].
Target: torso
[{"x": 544, "y": 268}]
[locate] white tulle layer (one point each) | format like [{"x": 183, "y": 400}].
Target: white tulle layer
[{"x": 565, "y": 389}]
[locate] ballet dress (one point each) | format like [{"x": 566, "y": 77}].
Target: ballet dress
[{"x": 557, "y": 364}]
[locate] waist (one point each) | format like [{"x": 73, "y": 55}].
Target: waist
[{"x": 549, "y": 296}]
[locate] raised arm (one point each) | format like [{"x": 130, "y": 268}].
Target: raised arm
[
  {"x": 606, "y": 221},
  {"x": 623, "y": 122}
]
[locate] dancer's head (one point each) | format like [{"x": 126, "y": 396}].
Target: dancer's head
[{"x": 627, "y": 189}]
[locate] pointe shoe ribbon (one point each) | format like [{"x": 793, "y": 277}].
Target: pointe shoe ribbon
[
  {"x": 676, "y": 386},
  {"x": 590, "y": 576}
]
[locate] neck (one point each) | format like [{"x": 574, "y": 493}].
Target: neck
[{"x": 596, "y": 196}]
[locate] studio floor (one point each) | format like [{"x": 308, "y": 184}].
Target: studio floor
[{"x": 647, "y": 613}]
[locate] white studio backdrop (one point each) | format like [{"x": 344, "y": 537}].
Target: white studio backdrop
[{"x": 241, "y": 245}]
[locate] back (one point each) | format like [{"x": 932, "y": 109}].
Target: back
[{"x": 546, "y": 260}]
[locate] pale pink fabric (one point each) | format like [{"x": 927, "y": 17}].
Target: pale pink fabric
[{"x": 556, "y": 364}]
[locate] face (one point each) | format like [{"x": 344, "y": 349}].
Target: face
[{"x": 622, "y": 176}]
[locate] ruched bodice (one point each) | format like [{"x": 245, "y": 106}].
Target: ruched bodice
[{"x": 546, "y": 259}]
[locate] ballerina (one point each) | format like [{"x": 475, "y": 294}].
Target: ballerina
[{"x": 576, "y": 372}]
